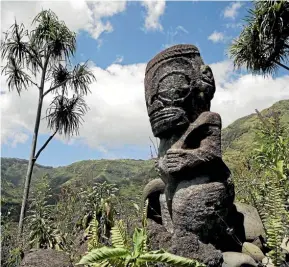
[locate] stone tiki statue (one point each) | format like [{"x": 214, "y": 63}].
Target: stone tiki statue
[{"x": 198, "y": 193}]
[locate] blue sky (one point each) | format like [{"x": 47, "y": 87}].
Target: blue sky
[{"x": 119, "y": 38}]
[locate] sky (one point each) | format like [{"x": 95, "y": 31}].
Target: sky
[{"x": 118, "y": 39}]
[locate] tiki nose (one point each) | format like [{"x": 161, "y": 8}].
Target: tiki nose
[{"x": 155, "y": 106}]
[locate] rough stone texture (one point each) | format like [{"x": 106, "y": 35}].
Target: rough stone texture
[
  {"x": 252, "y": 223},
  {"x": 236, "y": 259},
  {"x": 200, "y": 208},
  {"x": 253, "y": 251},
  {"x": 198, "y": 193},
  {"x": 152, "y": 192},
  {"x": 46, "y": 258},
  {"x": 158, "y": 236},
  {"x": 166, "y": 218},
  {"x": 187, "y": 244}
]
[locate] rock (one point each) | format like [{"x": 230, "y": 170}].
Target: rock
[
  {"x": 253, "y": 251},
  {"x": 179, "y": 88},
  {"x": 152, "y": 192},
  {"x": 156, "y": 185},
  {"x": 158, "y": 236},
  {"x": 46, "y": 258},
  {"x": 200, "y": 208},
  {"x": 166, "y": 218},
  {"x": 236, "y": 259},
  {"x": 187, "y": 245},
  {"x": 252, "y": 222}
]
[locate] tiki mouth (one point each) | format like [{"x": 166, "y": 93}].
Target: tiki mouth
[{"x": 165, "y": 115}]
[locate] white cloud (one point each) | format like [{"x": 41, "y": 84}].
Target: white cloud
[
  {"x": 78, "y": 15},
  {"x": 238, "y": 97},
  {"x": 155, "y": 9},
  {"x": 100, "y": 10},
  {"x": 118, "y": 116},
  {"x": 231, "y": 11},
  {"x": 216, "y": 37}
]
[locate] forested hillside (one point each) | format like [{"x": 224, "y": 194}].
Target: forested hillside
[{"x": 129, "y": 175}]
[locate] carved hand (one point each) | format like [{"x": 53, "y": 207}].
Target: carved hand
[{"x": 177, "y": 160}]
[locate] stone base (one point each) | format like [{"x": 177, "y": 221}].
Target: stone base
[
  {"x": 183, "y": 244},
  {"x": 202, "y": 209}
]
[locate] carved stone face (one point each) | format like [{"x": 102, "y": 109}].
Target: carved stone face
[{"x": 178, "y": 90}]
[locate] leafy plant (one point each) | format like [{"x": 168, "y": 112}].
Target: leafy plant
[
  {"x": 267, "y": 174},
  {"x": 135, "y": 255},
  {"x": 42, "y": 232},
  {"x": 11, "y": 249}
]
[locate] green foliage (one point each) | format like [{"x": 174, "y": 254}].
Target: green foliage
[
  {"x": 15, "y": 257},
  {"x": 271, "y": 199},
  {"x": 131, "y": 252},
  {"x": 11, "y": 250},
  {"x": 136, "y": 255},
  {"x": 238, "y": 139},
  {"x": 42, "y": 232},
  {"x": 263, "y": 43},
  {"x": 130, "y": 176},
  {"x": 264, "y": 182},
  {"x": 92, "y": 233}
]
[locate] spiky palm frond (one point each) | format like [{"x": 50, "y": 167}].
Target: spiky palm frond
[
  {"x": 263, "y": 44},
  {"x": 54, "y": 36},
  {"x": 60, "y": 75},
  {"x": 65, "y": 115},
  {"x": 16, "y": 77},
  {"x": 13, "y": 45},
  {"x": 81, "y": 77}
]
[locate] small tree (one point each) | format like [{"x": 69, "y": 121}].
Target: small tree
[
  {"x": 40, "y": 59},
  {"x": 263, "y": 45}
]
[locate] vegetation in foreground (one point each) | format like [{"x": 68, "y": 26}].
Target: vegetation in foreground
[{"x": 100, "y": 212}]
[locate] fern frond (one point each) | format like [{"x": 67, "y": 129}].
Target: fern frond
[
  {"x": 92, "y": 233},
  {"x": 165, "y": 257},
  {"x": 118, "y": 235},
  {"x": 100, "y": 255}
]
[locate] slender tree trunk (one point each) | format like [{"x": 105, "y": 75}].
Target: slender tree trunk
[{"x": 30, "y": 164}]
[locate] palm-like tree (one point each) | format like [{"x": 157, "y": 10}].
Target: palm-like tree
[
  {"x": 263, "y": 45},
  {"x": 41, "y": 59}
]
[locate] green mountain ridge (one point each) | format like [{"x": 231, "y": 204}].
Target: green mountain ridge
[
  {"x": 130, "y": 175},
  {"x": 238, "y": 137}
]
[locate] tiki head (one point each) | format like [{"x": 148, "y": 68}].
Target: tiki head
[{"x": 178, "y": 88}]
